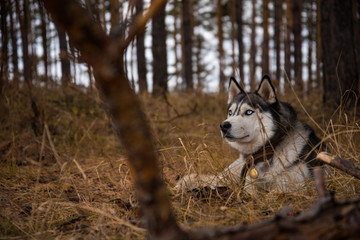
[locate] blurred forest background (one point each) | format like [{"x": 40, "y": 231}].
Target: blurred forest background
[
  {"x": 312, "y": 45},
  {"x": 64, "y": 174}
]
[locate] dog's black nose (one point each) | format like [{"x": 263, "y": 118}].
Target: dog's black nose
[{"x": 225, "y": 126}]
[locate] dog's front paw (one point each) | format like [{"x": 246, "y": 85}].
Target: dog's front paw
[{"x": 195, "y": 181}]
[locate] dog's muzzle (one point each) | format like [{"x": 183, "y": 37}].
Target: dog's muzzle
[{"x": 225, "y": 126}]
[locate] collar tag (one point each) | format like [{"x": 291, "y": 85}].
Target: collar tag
[{"x": 254, "y": 173}]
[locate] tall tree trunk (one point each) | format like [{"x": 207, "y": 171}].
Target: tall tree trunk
[
  {"x": 318, "y": 80},
  {"x": 239, "y": 23},
  {"x": 4, "y": 70},
  {"x": 140, "y": 52},
  {"x": 65, "y": 63},
  {"x": 278, "y": 20},
  {"x": 253, "y": 47},
  {"x": 265, "y": 43},
  {"x": 356, "y": 17},
  {"x": 288, "y": 31},
  {"x": 159, "y": 53},
  {"x": 219, "y": 14},
  {"x": 14, "y": 47},
  {"x": 340, "y": 67},
  {"x": 44, "y": 42},
  {"x": 23, "y": 19},
  {"x": 310, "y": 26},
  {"x": 114, "y": 13},
  {"x": 187, "y": 44},
  {"x": 233, "y": 33},
  {"x": 297, "y": 26},
  {"x": 176, "y": 43},
  {"x": 199, "y": 67}
]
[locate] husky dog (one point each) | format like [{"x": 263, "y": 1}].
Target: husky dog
[{"x": 277, "y": 151}]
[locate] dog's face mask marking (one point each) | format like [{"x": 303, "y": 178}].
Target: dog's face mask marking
[{"x": 249, "y": 122}]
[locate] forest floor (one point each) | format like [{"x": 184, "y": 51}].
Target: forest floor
[{"x": 64, "y": 175}]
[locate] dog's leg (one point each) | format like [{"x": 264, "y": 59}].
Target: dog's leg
[{"x": 196, "y": 181}]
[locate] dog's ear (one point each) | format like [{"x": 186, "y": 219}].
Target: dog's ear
[
  {"x": 266, "y": 90},
  {"x": 234, "y": 89}
]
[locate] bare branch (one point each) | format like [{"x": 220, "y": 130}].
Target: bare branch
[{"x": 340, "y": 163}]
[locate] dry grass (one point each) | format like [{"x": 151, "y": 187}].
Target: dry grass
[{"x": 73, "y": 181}]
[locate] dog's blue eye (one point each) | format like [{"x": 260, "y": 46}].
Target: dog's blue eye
[
  {"x": 249, "y": 112},
  {"x": 230, "y": 112}
]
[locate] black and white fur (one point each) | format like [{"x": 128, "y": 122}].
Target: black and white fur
[{"x": 257, "y": 121}]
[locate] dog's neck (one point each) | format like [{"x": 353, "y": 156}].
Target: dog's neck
[{"x": 264, "y": 154}]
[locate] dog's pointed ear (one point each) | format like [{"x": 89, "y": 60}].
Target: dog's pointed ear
[
  {"x": 234, "y": 89},
  {"x": 266, "y": 90}
]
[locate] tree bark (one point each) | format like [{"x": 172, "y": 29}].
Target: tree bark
[
  {"x": 318, "y": 79},
  {"x": 4, "y": 70},
  {"x": 14, "y": 56},
  {"x": 288, "y": 32},
  {"x": 265, "y": 43},
  {"x": 310, "y": 27},
  {"x": 160, "y": 74},
  {"x": 187, "y": 45},
  {"x": 340, "y": 67},
  {"x": 114, "y": 13},
  {"x": 140, "y": 52},
  {"x": 63, "y": 54},
  {"x": 253, "y": 48},
  {"x": 277, "y": 36},
  {"x": 44, "y": 42},
  {"x": 23, "y": 19},
  {"x": 297, "y": 26},
  {"x": 239, "y": 23},
  {"x": 219, "y": 14}
]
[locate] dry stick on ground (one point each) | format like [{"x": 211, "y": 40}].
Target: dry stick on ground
[
  {"x": 340, "y": 163},
  {"x": 326, "y": 219}
]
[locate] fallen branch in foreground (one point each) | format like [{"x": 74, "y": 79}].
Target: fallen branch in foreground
[
  {"x": 326, "y": 219},
  {"x": 340, "y": 163}
]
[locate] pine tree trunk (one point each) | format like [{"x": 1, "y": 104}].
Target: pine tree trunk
[
  {"x": 65, "y": 63},
  {"x": 14, "y": 56},
  {"x": 340, "y": 67},
  {"x": 288, "y": 31},
  {"x": 159, "y": 53},
  {"x": 265, "y": 43},
  {"x": 176, "y": 44},
  {"x": 277, "y": 41},
  {"x": 297, "y": 26},
  {"x": 310, "y": 27},
  {"x": 187, "y": 44},
  {"x": 199, "y": 67},
  {"x": 44, "y": 42},
  {"x": 4, "y": 69},
  {"x": 318, "y": 80},
  {"x": 140, "y": 52},
  {"x": 239, "y": 23},
  {"x": 253, "y": 47},
  {"x": 219, "y": 14},
  {"x": 114, "y": 13},
  {"x": 23, "y": 19}
]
